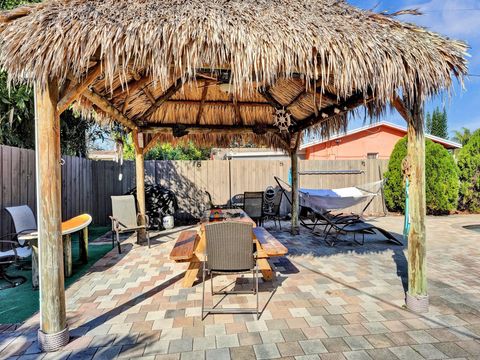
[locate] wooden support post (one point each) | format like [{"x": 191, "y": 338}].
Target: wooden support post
[
  {"x": 140, "y": 181},
  {"x": 416, "y": 297},
  {"x": 83, "y": 243},
  {"x": 53, "y": 333},
  {"x": 67, "y": 255},
  {"x": 295, "y": 229}
]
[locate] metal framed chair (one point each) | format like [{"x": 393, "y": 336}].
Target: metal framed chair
[
  {"x": 11, "y": 257},
  {"x": 253, "y": 205},
  {"x": 229, "y": 251},
  {"x": 24, "y": 222},
  {"x": 273, "y": 212},
  {"x": 125, "y": 218}
]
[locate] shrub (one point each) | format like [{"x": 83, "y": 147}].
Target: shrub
[
  {"x": 469, "y": 169},
  {"x": 442, "y": 183}
]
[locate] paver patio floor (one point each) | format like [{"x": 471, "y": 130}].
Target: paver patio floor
[{"x": 344, "y": 302}]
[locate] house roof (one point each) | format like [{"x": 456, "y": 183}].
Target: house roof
[
  {"x": 446, "y": 143},
  {"x": 212, "y": 70}
]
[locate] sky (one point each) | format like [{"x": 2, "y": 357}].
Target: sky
[{"x": 457, "y": 19}]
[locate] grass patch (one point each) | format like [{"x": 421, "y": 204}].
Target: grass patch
[{"x": 21, "y": 302}]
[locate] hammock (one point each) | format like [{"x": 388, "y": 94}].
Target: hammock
[
  {"x": 335, "y": 199},
  {"x": 323, "y": 200}
]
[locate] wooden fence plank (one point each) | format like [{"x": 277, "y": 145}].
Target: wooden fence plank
[{"x": 87, "y": 185}]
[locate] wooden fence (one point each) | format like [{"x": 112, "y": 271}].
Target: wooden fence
[{"x": 87, "y": 185}]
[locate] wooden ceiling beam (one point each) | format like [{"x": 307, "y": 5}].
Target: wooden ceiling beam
[
  {"x": 74, "y": 90},
  {"x": 331, "y": 111},
  {"x": 131, "y": 87},
  {"x": 202, "y": 102},
  {"x": 219, "y": 103},
  {"x": 206, "y": 129},
  {"x": 149, "y": 95},
  {"x": 163, "y": 98},
  {"x": 402, "y": 109},
  {"x": 265, "y": 92},
  {"x": 152, "y": 142},
  {"x": 238, "y": 115},
  {"x": 108, "y": 108}
]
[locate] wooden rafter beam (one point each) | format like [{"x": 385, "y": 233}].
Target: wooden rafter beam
[
  {"x": 108, "y": 108},
  {"x": 331, "y": 111},
  {"x": 297, "y": 98},
  {"x": 205, "y": 129},
  {"x": 163, "y": 98},
  {"x": 400, "y": 106},
  {"x": 202, "y": 102},
  {"x": 131, "y": 87},
  {"x": 238, "y": 115},
  {"x": 153, "y": 141},
  {"x": 218, "y": 103},
  {"x": 73, "y": 91},
  {"x": 265, "y": 92},
  {"x": 325, "y": 94},
  {"x": 149, "y": 95}
]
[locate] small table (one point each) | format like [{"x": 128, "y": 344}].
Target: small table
[
  {"x": 73, "y": 225},
  {"x": 190, "y": 246}
]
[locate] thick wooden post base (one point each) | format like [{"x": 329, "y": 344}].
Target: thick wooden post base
[{"x": 53, "y": 342}]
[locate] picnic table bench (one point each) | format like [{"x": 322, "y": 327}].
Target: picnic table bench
[{"x": 190, "y": 247}]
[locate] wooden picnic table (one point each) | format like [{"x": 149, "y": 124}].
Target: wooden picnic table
[
  {"x": 69, "y": 227},
  {"x": 191, "y": 244}
]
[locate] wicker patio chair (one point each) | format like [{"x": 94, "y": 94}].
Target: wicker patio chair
[
  {"x": 229, "y": 251},
  {"x": 253, "y": 205},
  {"x": 125, "y": 219}
]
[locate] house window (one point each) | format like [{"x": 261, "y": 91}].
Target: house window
[{"x": 372, "y": 156}]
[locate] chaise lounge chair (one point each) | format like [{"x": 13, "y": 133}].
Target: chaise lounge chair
[{"x": 340, "y": 223}]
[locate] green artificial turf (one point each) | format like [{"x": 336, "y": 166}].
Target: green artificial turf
[{"x": 21, "y": 302}]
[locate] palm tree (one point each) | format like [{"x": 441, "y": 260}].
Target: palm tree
[{"x": 462, "y": 136}]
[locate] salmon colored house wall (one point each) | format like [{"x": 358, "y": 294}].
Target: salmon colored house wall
[{"x": 380, "y": 139}]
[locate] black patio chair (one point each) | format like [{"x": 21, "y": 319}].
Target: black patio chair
[
  {"x": 253, "y": 205},
  {"x": 11, "y": 255},
  {"x": 273, "y": 212}
]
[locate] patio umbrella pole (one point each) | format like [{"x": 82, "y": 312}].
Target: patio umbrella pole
[{"x": 53, "y": 333}]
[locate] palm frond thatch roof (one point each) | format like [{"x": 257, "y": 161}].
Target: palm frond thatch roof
[{"x": 310, "y": 55}]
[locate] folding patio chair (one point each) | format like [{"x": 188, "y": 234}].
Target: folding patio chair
[
  {"x": 229, "y": 251},
  {"x": 125, "y": 218}
]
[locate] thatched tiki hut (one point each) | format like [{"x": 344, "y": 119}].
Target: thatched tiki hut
[{"x": 215, "y": 72}]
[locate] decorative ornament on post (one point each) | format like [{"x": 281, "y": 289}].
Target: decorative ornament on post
[{"x": 283, "y": 119}]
